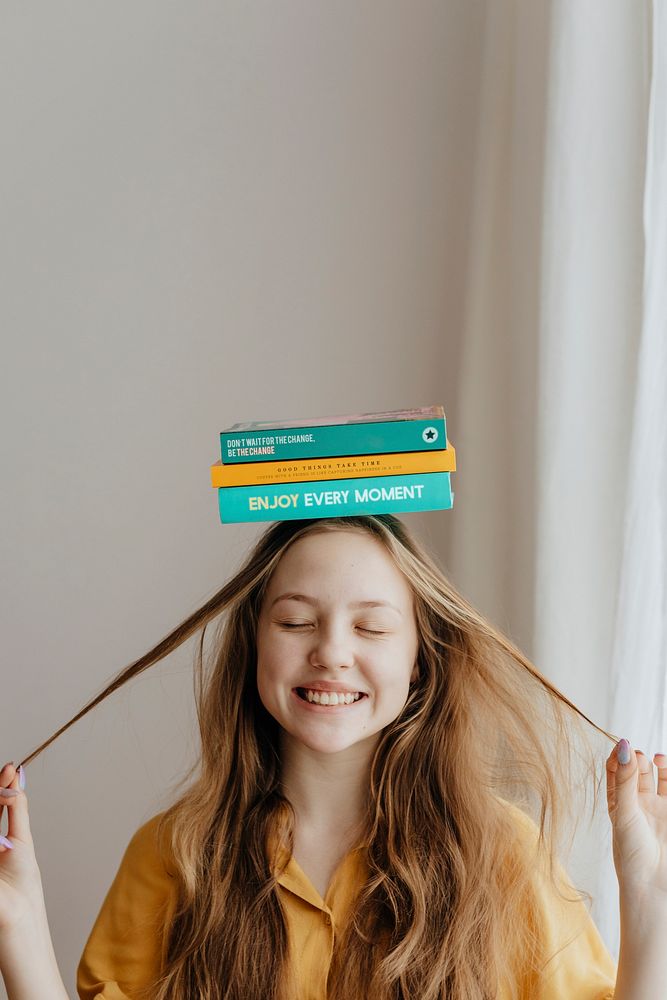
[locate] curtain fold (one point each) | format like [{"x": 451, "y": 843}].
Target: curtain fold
[
  {"x": 638, "y": 673},
  {"x": 492, "y": 550}
]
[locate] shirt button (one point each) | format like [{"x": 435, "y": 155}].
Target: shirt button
[{"x": 327, "y": 920}]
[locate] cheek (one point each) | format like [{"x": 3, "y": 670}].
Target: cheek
[
  {"x": 272, "y": 668},
  {"x": 389, "y": 702},
  {"x": 262, "y": 670},
  {"x": 389, "y": 681},
  {"x": 265, "y": 684}
]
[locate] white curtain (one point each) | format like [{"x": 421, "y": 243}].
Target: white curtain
[
  {"x": 562, "y": 425},
  {"x": 639, "y": 664}
]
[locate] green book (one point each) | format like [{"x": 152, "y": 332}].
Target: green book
[
  {"x": 336, "y": 498},
  {"x": 422, "y": 429}
]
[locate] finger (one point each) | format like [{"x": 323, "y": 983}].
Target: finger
[
  {"x": 18, "y": 824},
  {"x": 646, "y": 783},
  {"x": 611, "y": 767},
  {"x": 661, "y": 764},
  {"x": 6, "y": 777},
  {"x": 622, "y": 785}
]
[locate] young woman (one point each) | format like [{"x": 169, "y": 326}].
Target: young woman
[{"x": 371, "y": 753}]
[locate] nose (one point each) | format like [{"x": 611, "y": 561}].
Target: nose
[{"x": 332, "y": 649}]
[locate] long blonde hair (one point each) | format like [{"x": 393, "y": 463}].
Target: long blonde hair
[{"x": 443, "y": 913}]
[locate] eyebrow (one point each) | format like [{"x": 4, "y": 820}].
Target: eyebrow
[{"x": 353, "y": 604}]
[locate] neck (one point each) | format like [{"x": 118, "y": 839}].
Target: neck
[{"x": 328, "y": 791}]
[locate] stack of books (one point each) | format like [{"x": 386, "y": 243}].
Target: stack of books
[{"x": 369, "y": 463}]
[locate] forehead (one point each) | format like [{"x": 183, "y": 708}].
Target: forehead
[{"x": 327, "y": 562}]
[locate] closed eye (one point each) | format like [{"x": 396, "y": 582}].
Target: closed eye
[{"x": 292, "y": 625}]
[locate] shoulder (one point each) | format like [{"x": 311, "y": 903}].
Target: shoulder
[
  {"x": 525, "y": 830},
  {"x": 149, "y": 847},
  {"x": 524, "y": 822},
  {"x": 537, "y": 852},
  {"x": 143, "y": 889},
  {"x": 145, "y": 837},
  {"x": 576, "y": 961},
  {"x": 125, "y": 947}
]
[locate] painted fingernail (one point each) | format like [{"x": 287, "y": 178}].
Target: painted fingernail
[
  {"x": 623, "y": 751},
  {"x": 21, "y": 774},
  {"x": 9, "y": 793},
  {"x": 7, "y": 843}
]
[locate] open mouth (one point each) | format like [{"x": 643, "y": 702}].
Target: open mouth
[{"x": 301, "y": 692}]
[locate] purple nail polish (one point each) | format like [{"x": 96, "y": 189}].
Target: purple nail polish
[
  {"x": 7, "y": 843},
  {"x": 21, "y": 774},
  {"x": 623, "y": 751}
]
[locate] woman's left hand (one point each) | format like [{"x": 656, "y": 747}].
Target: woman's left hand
[{"x": 638, "y": 815}]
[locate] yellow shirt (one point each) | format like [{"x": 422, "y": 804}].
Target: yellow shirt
[{"x": 125, "y": 947}]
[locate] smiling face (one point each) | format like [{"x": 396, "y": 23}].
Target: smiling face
[{"x": 326, "y": 638}]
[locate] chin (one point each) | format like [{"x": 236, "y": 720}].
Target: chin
[
  {"x": 320, "y": 742},
  {"x": 329, "y": 744}
]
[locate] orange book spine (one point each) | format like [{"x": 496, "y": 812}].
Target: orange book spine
[{"x": 340, "y": 467}]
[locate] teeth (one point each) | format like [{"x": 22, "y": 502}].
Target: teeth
[{"x": 331, "y": 697}]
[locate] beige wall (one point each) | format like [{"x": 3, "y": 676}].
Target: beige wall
[{"x": 211, "y": 213}]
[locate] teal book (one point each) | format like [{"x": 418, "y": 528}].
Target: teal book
[
  {"x": 421, "y": 429},
  {"x": 336, "y": 498}
]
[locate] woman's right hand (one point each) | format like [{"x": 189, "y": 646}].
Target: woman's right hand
[{"x": 21, "y": 894}]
